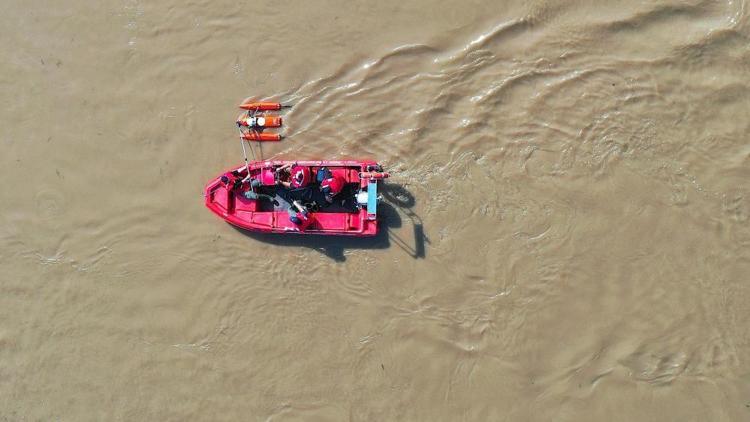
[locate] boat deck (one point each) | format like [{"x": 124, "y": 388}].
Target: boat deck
[{"x": 283, "y": 197}]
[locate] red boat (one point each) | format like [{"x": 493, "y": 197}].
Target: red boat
[{"x": 259, "y": 197}]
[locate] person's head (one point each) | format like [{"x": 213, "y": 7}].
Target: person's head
[{"x": 322, "y": 174}]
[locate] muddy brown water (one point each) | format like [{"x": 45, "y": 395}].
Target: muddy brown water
[{"x": 566, "y": 230}]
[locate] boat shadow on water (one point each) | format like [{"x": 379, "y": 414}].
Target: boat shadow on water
[{"x": 397, "y": 202}]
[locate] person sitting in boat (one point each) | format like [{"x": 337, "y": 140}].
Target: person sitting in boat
[
  {"x": 294, "y": 176},
  {"x": 330, "y": 184},
  {"x": 254, "y": 194},
  {"x": 231, "y": 180},
  {"x": 299, "y": 215}
]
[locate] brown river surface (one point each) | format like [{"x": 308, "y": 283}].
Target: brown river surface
[{"x": 566, "y": 234}]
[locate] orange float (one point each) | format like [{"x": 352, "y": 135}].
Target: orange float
[
  {"x": 263, "y": 106},
  {"x": 261, "y": 136}
]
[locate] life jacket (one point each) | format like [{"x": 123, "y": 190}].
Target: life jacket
[
  {"x": 333, "y": 185},
  {"x": 304, "y": 221},
  {"x": 300, "y": 176}
]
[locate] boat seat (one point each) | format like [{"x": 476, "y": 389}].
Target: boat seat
[{"x": 243, "y": 204}]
